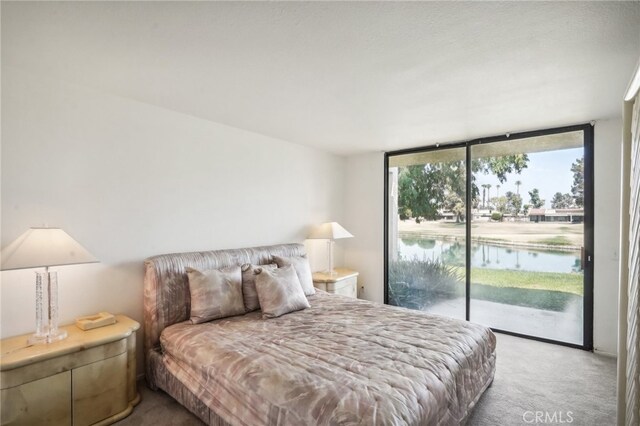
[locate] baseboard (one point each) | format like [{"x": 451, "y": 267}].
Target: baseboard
[{"x": 604, "y": 353}]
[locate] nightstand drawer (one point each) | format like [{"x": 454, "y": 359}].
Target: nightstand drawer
[
  {"x": 345, "y": 287},
  {"x": 342, "y": 281},
  {"x": 87, "y": 378},
  {"x": 48, "y": 367},
  {"x": 40, "y": 402},
  {"x": 97, "y": 390}
]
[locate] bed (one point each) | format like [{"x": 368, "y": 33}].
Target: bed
[{"x": 341, "y": 361}]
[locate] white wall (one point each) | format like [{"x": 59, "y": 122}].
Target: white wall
[
  {"x": 129, "y": 180},
  {"x": 607, "y": 156},
  {"x": 364, "y": 216}
]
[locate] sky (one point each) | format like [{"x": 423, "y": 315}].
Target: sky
[{"x": 549, "y": 171}]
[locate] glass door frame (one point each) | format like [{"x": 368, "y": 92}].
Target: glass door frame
[{"x": 588, "y": 141}]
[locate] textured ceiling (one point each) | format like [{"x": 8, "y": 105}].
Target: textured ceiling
[{"x": 344, "y": 77}]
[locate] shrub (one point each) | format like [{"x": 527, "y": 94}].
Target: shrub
[
  {"x": 417, "y": 284},
  {"x": 497, "y": 216}
]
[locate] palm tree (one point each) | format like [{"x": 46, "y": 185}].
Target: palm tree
[
  {"x": 484, "y": 190},
  {"x": 518, "y": 183},
  {"x": 498, "y": 189},
  {"x": 489, "y": 193}
]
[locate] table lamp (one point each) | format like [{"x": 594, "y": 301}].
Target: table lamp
[
  {"x": 330, "y": 231},
  {"x": 44, "y": 248}
]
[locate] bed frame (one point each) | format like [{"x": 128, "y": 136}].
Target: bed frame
[{"x": 167, "y": 301}]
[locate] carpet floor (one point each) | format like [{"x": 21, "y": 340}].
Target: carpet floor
[{"x": 535, "y": 383}]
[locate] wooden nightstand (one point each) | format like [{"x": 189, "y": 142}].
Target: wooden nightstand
[
  {"x": 344, "y": 282},
  {"x": 88, "y": 378}
]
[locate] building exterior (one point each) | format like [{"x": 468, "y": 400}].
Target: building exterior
[{"x": 557, "y": 215}]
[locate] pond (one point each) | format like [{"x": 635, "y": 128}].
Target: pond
[{"x": 489, "y": 256}]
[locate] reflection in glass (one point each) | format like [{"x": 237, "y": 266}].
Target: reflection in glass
[
  {"x": 528, "y": 278},
  {"x": 526, "y": 225},
  {"x": 426, "y": 191}
]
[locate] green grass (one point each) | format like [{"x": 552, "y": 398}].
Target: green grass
[
  {"x": 488, "y": 239},
  {"x": 551, "y": 291},
  {"x": 550, "y": 281},
  {"x": 558, "y": 240}
]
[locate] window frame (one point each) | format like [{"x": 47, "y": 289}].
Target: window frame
[{"x": 588, "y": 143}]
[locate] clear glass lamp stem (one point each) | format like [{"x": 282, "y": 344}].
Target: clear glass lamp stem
[
  {"x": 54, "y": 333},
  {"x": 40, "y": 335},
  {"x": 330, "y": 251},
  {"x": 47, "y": 330}
]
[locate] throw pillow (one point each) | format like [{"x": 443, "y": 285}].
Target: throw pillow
[
  {"x": 215, "y": 294},
  {"x": 280, "y": 292},
  {"x": 301, "y": 265},
  {"x": 249, "y": 293}
]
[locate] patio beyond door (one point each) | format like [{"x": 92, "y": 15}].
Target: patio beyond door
[{"x": 498, "y": 231}]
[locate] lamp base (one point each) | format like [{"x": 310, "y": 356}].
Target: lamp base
[
  {"x": 42, "y": 339},
  {"x": 47, "y": 327}
]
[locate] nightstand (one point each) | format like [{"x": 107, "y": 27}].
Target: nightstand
[
  {"x": 344, "y": 282},
  {"x": 88, "y": 378}
]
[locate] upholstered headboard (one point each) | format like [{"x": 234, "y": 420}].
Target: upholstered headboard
[{"x": 166, "y": 286}]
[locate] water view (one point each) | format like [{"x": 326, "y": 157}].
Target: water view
[{"x": 489, "y": 256}]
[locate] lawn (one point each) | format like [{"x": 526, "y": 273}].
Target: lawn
[
  {"x": 558, "y": 240},
  {"x": 551, "y": 281},
  {"x": 417, "y": 284},
  {"x": 538, "y": 299},
  {"x": 540, "y": 290}
]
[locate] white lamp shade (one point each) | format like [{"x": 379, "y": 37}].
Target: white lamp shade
[
  {"x": 39, "y": 247},
  {"x": 329, "y": 231}
]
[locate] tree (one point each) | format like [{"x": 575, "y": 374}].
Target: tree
[
  {"x": 568, "y": 201},
  {"x": 577, "y": 189},
  {"x": 518, "y": 183},
  {"x": 475, "y": 202},
  {"x": 562, "y": 201},
  {"x": 489, "y": 193},
  {"x": 501, "y": 166},
  {"x": 484, "y": 191},
  {"x": 500, "y": 203},
  {"x": 498, "y": 190},
  {"x": 418, "y": 194},
  {"x": 534, "y": 198},
  {"x": 454, "y": 203},
  {"x": 514, "y": 203},
  {"x": 424, "y": 190}
]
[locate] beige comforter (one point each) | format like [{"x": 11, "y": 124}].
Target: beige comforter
[{"x": 343, "y": 361}]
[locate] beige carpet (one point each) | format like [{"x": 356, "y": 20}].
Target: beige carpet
[{"x": 535, "y": 383}]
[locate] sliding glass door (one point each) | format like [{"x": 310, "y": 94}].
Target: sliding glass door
[
  {"x": 427, "y": 216},
  {"x": 498, "y": 231}
]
